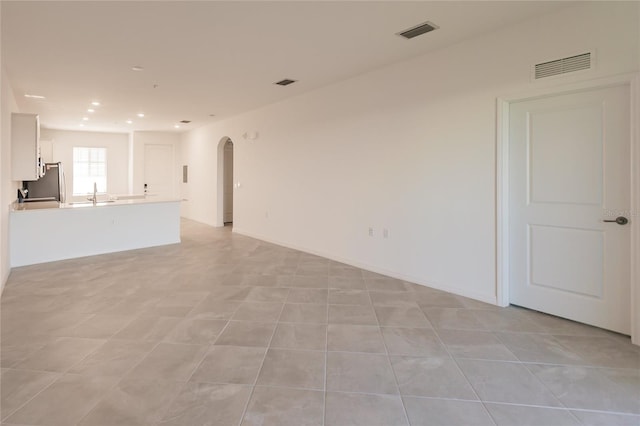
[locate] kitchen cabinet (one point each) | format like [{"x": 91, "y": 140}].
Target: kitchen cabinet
[
  {"x": 25, "y": 147},
  {"x": 46, "y": 150},
  {"x": 49, "y": 231}
]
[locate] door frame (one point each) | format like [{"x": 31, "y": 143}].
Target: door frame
[
  {"x": 172, "y": 169},
  {"x": 219, "y": 221},
  {"x": 227, "y": 185},
  {"x": 502, "y": 183}
]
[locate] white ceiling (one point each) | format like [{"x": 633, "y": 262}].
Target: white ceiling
[{"x": 213, "y": 57}]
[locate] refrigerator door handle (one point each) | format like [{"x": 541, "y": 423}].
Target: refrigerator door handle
[{"x": 63, "y": 193}]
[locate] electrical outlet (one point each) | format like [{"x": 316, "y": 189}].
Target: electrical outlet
[
  {"x": 385, "y": 233},
  {"x": 370, "y": 232},
  {"x": 266, "y": 215}
]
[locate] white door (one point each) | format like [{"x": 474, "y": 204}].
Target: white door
[
  {"x": 569, "y": 169},
  {"x": 158, "y": 170},
  {"x": 228, "y": 182}
]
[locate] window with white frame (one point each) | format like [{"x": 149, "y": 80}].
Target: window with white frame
[{"x": 89, "y": 166}]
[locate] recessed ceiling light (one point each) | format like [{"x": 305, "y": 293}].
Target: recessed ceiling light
[
  {"x": 33, "y": 96},
  {"x": 185, "y": 121},
  {"x": 91, "y": 110},
  {"x": 81, "y": 124},
  {"x": 85, "y": 118},
  {"x": 177, "y": 126},
  {"x": 140, "y": 114},
  {"x": 212, "y": 115},
  {"x": 128, "y": 121},
  {"x": 137, "y": 68},
  {"x": 95, "y": 103}
]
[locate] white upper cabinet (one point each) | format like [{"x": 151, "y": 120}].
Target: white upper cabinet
[
  {"x": 25, "y": 147},
  {"x": 46, "y": 151}
]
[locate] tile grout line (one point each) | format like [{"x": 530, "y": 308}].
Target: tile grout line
[
  {"x": 58, "y": 376},
  {"x": 497, "y": 336},
  {"x": 124, "y": 375},
  {"x": 255, "y": 382},
  {"x": 28, "y": 355},
  {"x": 212, "y": 344},
  {"x": 526, "y": 364},
  {"x": 326, "y": 361},
  {"x": 120, "y": 379},
  {"x": 620, "y": 413},
  {"x": 386, "y": 350},
  {"x": 240, "y": 251},
  {"x": 64, "y": 373},
  {"x": 455, "y": 361}
]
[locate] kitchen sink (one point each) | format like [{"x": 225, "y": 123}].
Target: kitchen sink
[{"x": 88, "y": 203}]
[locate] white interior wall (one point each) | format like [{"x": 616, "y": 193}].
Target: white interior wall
[
  {"x": 4, "y": 219},
  {"x": 409, "y": 148},
  {"x": 8, "y": 189},
  {"x": 7, "y": 186},
  {"x": 138, "y": 142},
  {"x": 199, "y": 151},
  {"x": 117, "y": 145}
]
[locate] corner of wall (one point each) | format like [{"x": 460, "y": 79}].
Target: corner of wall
[
  {"x": 4, "y": 184},
  {"x": 7, "y": 186},
  {"x": 199, "y": 150}
]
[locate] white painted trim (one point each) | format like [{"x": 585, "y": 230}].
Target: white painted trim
[
  {"x": 487, "y": 298},
  {"x": 219, "y": 219},
  {"x": 174, "y": 190},
  {"x": 563, "y": 89},
  {"x": 502, "y": 183},
  {"x": 502, "y": 199},
  {"x": 635, "y": 210}
]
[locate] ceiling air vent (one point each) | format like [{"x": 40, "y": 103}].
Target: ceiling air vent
[
  {"x": 185, "y": 121},
  {"x": 418, "y": 30},
  {"x": 285, "y": 82},
  {"x": 563, "y": 66}
]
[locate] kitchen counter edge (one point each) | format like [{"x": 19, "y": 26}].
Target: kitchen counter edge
[{"x": 55, "y": 205}]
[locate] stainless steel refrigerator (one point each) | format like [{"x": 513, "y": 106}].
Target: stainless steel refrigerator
[{"x": 49, "y": 187}]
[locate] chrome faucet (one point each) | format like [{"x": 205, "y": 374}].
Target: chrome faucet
[
  {"x": 95, "y": 194},
  {"x": 22, "y": 194}
]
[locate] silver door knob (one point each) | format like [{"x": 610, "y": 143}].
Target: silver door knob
[{"x": 620, "y": 220}]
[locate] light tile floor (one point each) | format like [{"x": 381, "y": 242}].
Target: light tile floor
[{"x": 228, "y": 330}]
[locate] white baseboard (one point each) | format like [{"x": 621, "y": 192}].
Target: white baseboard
[{"x": 491, "y": 299}]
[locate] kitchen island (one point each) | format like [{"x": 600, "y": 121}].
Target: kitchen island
[{"x": 48, "y": 231}]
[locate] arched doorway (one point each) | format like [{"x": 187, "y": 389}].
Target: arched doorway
[
  {"x": 225, "y": 182},
  {"x": 227, "y": 203}
]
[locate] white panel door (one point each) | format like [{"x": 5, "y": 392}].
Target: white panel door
[
  {"x": 158, "y": 170},
  {"x": 569, "y": 169},
  {"x": 228, "y": 182}
]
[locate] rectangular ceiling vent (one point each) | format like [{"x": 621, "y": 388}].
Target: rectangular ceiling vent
[
  {"x": 185, "y": 121},
  {"x": 285, "y": 82},
  {"x": 418, "y": 30},
  {"x": 563, "y": 66}
]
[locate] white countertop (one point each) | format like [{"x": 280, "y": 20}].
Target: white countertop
[{"x": 46, "y": 205}]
